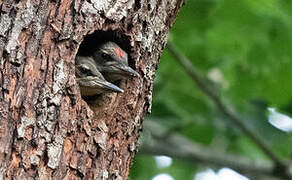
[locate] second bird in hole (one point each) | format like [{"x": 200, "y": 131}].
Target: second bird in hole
[{"x": 96, "y": 73}]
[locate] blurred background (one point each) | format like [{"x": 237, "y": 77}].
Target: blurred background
[{"x": 227, "y": 114}]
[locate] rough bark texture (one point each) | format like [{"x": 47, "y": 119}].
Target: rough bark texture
[{"x": 47, "y": 131}]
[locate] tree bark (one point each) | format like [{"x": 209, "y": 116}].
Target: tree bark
[{"x": 47, "y": 131}]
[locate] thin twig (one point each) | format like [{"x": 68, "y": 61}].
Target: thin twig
[{"x": 189, "y": 68}]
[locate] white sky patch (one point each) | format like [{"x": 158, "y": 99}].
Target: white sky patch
[
  {"x": 226, "y": 174},
  {"x": 217, "y": 76},
  {"x": 163, "y": 176},
  {"x": 206, "y": 175},
  {"x": 280, "y": 121},
  {"x": 163, "y": 161},
  {"x": 222, "y": 174}
]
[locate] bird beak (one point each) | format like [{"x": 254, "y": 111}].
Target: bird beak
[
  {"x": 111, "y": 87},
  {"x": 94, "y": 85},
  {"x": 127, "y": 70}
]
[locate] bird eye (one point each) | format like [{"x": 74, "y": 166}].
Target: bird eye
[
  {"x": 106, "y": 56},
  {"x": 86, "y": 71}
]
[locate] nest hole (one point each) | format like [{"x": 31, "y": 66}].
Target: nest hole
[{"x": 90, "y": 44}]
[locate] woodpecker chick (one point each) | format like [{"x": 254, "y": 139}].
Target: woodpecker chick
[
  {"x": 113, "y": 62},
  {"x": 90, "y": 80}
]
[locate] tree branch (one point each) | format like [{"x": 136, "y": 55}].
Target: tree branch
[
  {"x": 161, "y": 142},
  {"x": 280, "y": 167}
]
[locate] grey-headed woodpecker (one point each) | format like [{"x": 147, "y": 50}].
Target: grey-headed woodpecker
[{"x": 113, "y": 62}]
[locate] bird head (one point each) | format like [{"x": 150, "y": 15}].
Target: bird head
[
  {"x": 113, "y": 61},
  {"x": 85, "y": 67},
  {"x": 90, "y": 80}
]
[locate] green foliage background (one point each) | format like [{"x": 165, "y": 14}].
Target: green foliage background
[{"x": 250, "y": 43}]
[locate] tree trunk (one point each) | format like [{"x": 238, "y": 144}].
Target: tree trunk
[{"x": 47, "y": 131}]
